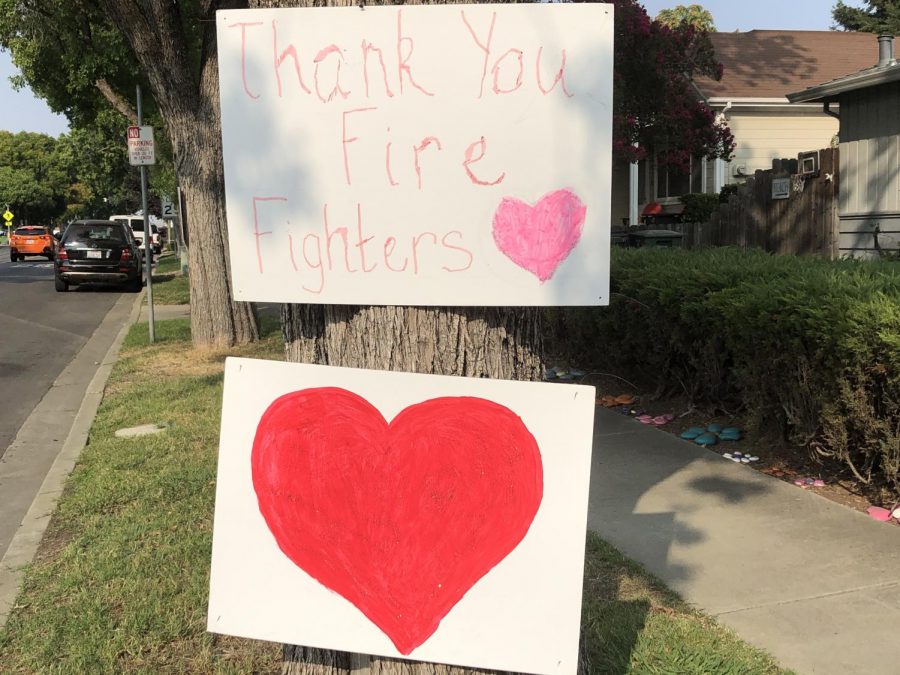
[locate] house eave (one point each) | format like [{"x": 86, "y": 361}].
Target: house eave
[
  {"x": 747, "y": 100},
  {"x": 763, "y": 105},
  {"x": 830, "y": 91}
]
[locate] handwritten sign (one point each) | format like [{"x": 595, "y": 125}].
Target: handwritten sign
[
  {"x": 423, "y": 155},
  {"x": 413, "y": 516}
]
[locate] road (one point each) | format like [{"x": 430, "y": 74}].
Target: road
[{"x": 41, "y": 332}]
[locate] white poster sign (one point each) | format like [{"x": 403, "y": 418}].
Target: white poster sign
[
  {"x": 432, "y": 518},
  {"x": 141, "y": 148},
  {"x": 418, "y": 155}
]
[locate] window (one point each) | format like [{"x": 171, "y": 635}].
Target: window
[
  {"x": 86, "y": 235},
  {"x": 673, "y": 181}
]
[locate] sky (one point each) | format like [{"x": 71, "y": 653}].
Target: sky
[{"x": 21, "y": 111}]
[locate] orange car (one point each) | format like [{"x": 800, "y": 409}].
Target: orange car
[{"x": 31, "y": 240}]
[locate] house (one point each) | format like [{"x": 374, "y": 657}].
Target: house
[
  {"x": 869, "y": 194},
  {"x": 760, "y": 68}
]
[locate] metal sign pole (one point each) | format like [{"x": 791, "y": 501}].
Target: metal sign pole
[{"x": 148, "y": 236}]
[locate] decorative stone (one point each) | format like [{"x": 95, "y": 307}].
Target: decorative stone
[{"x": 142, "y": 430}]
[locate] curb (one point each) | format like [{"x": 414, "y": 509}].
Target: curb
[{"x": 28, "y": 536}]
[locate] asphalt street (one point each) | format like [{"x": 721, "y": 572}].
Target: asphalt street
[{"x": 41, "y": 332}]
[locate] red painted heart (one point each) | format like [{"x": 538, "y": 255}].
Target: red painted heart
[
  {"x": 538, "y": 238},
  {"x": 399, "y": 518}
]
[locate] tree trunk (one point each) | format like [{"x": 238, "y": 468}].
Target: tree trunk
[
  {"x": 189, "y": 103},
  {"x": 491, "y": 342},
  {"x": 470, "y": 341}
]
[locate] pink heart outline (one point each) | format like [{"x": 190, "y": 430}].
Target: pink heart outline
[{"x": 538, "y": 238}]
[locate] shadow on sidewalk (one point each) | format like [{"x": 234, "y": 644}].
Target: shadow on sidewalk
[{"x": 645, "y": 488}]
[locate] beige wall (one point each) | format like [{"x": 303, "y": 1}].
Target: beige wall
[{"x": 762, "y": 137}]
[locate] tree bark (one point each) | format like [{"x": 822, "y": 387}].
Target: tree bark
[
  {"x": 116, "y": 101},
  {"x": 492, "y": 342},
  {"x": 188, "y": 100}
]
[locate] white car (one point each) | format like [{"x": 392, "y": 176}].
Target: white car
[{"x": 136, "y": 223}]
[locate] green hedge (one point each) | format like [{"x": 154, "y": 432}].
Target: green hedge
[{"x": 808, "y": 347}]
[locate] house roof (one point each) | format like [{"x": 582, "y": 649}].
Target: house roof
[
  {"x": 830, "y": 91},
  {"x": 769, "y": 64}
]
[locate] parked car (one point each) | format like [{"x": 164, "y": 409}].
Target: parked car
[
  {"x": 98, "y": 251},
  {"x": 136, "y": 223},
  {"x": 31, "y": 240}
]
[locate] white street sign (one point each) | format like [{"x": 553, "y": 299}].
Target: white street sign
[
  {"x": 141, "y": 150},
  {"x": 168, "y": 207}
]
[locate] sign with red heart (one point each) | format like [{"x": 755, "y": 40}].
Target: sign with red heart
[
  {"x": 400, "y": 518},
  {"x": 440, "y": 519}
]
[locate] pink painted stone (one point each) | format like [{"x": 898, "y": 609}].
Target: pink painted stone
[
  {"x": 879, "y": 513},
  {"x": 538, "y": 238}
]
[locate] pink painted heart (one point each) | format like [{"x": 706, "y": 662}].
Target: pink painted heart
[
  {"x": 401, "y": 518},
  {"x": 538, "y": 238}
]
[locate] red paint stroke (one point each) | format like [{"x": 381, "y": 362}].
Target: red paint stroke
[
  {"x": 401, "y": 518},
  {"x": 538, "y": 238}
]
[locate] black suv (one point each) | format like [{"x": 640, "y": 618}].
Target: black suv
[{"x": 98, "y": 251}]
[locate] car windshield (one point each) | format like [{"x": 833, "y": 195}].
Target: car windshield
[
  {"x": 93, "y": 234},
  {"x": 29, "y": 231}
]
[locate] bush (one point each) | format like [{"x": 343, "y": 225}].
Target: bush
[
  {"x": 808, "y": 347},
  {"x": 698, "y": 207},
  {"x": 726, "y": 192}
]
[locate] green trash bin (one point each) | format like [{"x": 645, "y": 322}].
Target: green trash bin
[{"x": 655, "y": 238}]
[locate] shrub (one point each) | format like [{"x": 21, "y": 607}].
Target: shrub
[
  {"x": 808, "y": 347},
  {"x": 726, "y": 192},
  {"x": 699, "y": 207}
]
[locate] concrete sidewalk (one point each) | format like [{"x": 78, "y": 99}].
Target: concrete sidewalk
[{"x": 814, "y": 583}]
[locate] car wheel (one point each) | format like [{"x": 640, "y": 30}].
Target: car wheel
[
  {"x": 13, "y": 256},
  {"x": 50, "y": 257},
  {"x": 60, "y": 285},
  {"x": 135, "y": 285}
]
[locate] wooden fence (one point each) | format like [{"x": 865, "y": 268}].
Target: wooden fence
[{"x": 804, "y": 223}]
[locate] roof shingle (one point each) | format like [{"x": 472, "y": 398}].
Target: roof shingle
[{"x": 773, "y": 63}]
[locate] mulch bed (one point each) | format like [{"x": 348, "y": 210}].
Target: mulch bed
[{"x": 777, "y": 457}]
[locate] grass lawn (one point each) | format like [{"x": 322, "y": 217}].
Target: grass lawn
[
  {"x": 120, "y": 583},
  {"x": 170, "y": 286}
]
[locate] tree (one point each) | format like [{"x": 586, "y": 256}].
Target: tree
[
  {"x": 163, "y": 36},
  {"x": 693, "y": 15},
  {"x": 878, "y": 16},
  {"x": 656, "y": 106},
  {"x": 34, "y": 177},
  {"x": 82, "y": 57},
  {"x": 471, "y": 342}
]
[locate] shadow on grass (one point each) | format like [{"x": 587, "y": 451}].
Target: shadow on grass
[{"x": 612, "y": 616}]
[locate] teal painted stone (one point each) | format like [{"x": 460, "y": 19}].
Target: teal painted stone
[
  {"x": 706, "y": 439},
  {"x": 692, "y": 433},
  {"x": 714, "y": 428},
  {"x": 725, "y": 435}
]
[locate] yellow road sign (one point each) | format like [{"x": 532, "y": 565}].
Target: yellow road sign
[{"x": 7, "y": 215}]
